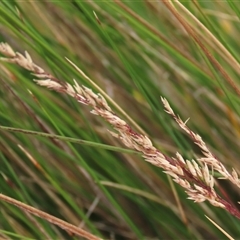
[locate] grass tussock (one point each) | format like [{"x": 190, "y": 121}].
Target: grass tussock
[{"x": 74, "y": 166}]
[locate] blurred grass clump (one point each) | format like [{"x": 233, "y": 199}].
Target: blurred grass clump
[{"x": 136, "y": 52}]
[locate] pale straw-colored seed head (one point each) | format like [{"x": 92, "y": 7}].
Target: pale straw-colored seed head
[
  {"x": 197, "y": 181},
  {"x": 6, "y": 50},
  {"x": 49, "y": 84}
]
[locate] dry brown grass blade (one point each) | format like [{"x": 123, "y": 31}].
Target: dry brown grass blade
[
  {"x": 193, "y": 34},
  {"x": 62, "y": 224},
  {"x": 218, "y": 46}
]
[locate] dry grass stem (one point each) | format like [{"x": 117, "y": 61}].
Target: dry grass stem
[
  {"x": 207, "y": 53},
  {"x": 210, "y": 38},
  {"x": 197, "y": 181},
  {"x": 217, "y": 226},
  {"x": 62, "y": 224}
]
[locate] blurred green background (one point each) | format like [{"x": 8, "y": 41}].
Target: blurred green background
[{"x": 136, "y": 51}]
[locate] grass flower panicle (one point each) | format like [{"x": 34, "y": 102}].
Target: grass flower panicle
[
  {"x": 197, "y": 181},
  {"x": 209, "y": 159}
]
